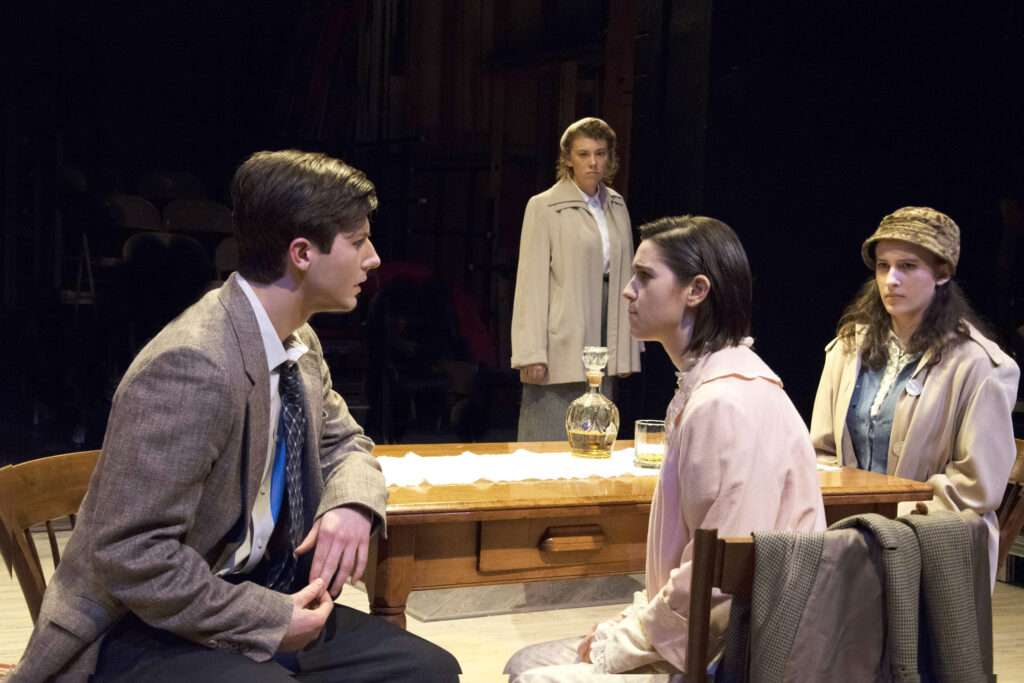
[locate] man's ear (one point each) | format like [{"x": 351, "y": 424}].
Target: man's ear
[
  {"x": 700, "y": 287},
  {"x": 299, "y": 253}
]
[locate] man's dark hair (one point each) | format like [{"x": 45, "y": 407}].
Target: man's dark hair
[
  {"x": 279, "y": 196},
  {"x": 697, "y": 245}
]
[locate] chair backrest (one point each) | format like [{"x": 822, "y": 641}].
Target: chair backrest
[
  {"x": 39, "y": 492},
  {"x": 161, "y": 186},
  {"x": 198, "y": 215},
  {"x": 1011, "y": 511},
  {"x": 163, "y": 274},
  {"x": 131, "y": 211},
  {"x": 723, "y": 563},
  {"x": 225, "y": 258}
]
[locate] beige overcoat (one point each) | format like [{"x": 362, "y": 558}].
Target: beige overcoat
[
  {"x": 956, "y": 433},
  {"x": 182, "y": 461},
  {"x": 557, "y": 308}
]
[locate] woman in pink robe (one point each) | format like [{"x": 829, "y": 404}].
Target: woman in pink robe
[{"x": 738, "y": 458}]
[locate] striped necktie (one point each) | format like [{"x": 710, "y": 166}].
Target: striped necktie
[{"x": 293, "y": 431}]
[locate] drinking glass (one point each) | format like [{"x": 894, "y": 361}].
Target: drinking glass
[{"x": 649, "y": 443}]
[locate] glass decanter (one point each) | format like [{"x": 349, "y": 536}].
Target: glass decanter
[{"x": 592, "y": 421}]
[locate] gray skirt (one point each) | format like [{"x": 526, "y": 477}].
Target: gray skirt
[{"x": 542, "y": 411}]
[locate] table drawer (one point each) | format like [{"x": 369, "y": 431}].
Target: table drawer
[{"x": 518, "y": 544}]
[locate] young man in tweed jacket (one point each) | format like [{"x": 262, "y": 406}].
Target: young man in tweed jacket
[{"x": 185, "y": 525}]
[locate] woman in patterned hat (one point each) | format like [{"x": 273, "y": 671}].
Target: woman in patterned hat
[{"x": 911, "y": 385}]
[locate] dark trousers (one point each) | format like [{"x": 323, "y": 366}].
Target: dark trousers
[{"x": 353, "y": 646}]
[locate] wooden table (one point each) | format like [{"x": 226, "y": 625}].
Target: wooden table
[{"x": 513, "y": 532}]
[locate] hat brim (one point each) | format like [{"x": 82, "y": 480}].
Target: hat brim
[{"x": 904, "y": 232}]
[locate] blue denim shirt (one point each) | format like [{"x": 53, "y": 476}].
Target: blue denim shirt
[{"x": 871, "y": 436}]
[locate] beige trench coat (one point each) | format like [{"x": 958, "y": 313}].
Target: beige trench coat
[
  {"x": 557, "y": 308},
  {"x": 956, "y": 434}
]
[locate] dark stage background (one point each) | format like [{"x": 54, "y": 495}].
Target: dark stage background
[{"x": 798, "y": 123}]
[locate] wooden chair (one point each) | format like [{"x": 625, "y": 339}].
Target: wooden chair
[
  {"x": 723, "y": 563},
  {"x": 728, "y": 564},
  {"x": 164, "y": 273},
  {"x": 132, "y": 212},
  {"x": 198, "y": 215},
  {"x": 161, "y": 187},
  {"x": 37, "y": 492},
  {"x": 225, "y": 258},
  {"x": 1011, "y": 511}
]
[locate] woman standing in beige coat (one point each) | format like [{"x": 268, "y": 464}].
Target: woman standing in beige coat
[
  {"x": 576, "y": 246},
  {"x": 911, "y": 387}
]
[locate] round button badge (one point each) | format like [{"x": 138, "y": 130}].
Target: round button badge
[{"x": 913, "y": 387}]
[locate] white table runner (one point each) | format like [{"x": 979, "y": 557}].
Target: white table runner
[{"x": 468, "y": 467}]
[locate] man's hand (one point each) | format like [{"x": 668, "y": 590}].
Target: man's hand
[
  {"x": 341, "y": 538},
  {"x": 534, "y": 373},
  {"x": 310, "y": 608}
]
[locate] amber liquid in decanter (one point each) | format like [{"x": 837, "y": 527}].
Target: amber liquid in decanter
[{"x": 592, "y": 421}]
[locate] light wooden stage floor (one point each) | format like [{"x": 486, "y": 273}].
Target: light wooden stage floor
[{"x": 483, "y": 644}]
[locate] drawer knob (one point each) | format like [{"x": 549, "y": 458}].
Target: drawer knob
[{"x": 560, "y": 539}]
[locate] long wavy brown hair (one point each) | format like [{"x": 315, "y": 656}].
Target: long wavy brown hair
[{"x": 943, "y": 326}]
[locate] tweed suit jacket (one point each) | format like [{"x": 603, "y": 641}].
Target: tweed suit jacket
[
  {"x": 182, "y": 461},
  {"x": 855, "y": 602}
]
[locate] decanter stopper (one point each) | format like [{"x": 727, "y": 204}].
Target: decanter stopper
[{"x": 592, "y": 421}]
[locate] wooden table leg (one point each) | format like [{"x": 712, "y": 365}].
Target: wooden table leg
[{"x": 390, "y": 586}]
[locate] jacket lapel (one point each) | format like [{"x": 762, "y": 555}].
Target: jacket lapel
[{"x": 257, "y": 411}]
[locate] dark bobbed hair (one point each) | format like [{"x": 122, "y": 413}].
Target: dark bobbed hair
[
  {"x": 698, "y": 245},
  {"x": 595, "y": 129},
  {"x": 943, "y": 325},
  {"x": 279, "y": 196}
]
